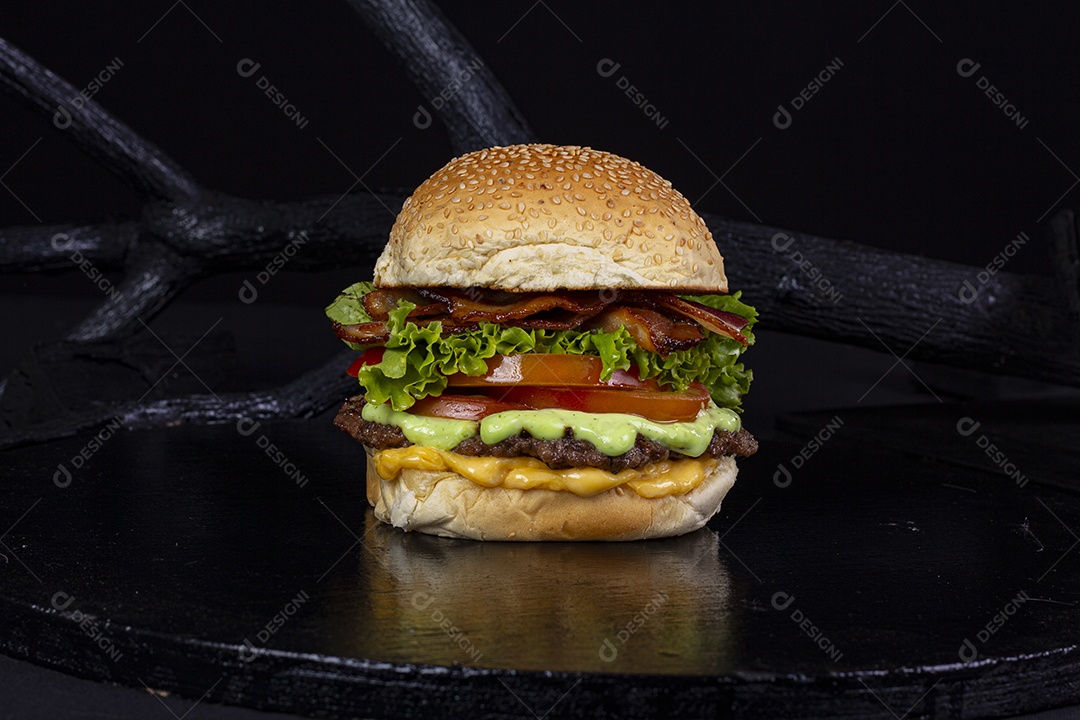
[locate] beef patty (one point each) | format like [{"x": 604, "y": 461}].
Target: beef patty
[{"x": 566, "y": 452}]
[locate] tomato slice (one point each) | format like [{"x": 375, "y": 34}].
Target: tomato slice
[
  {"x": 371, "y": 356},
  {"x": 463, "y": 407},
  {"x": 655, "y": 405},
  {"x": 544, "y": 370},
  {"x": 543, "y": 381}
]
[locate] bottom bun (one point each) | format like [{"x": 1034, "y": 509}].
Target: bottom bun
[{"x": 447, "y": 504}]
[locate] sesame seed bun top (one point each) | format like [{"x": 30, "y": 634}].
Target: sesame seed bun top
[{"x": 539, "y": 218}]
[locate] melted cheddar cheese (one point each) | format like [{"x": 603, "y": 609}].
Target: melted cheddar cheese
[{"x": 667, "y": 477}]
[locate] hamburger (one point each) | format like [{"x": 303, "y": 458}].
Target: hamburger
[{"x": 548, "y": 351}]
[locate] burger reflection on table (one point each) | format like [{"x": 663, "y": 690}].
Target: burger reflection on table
[{"x": 660, "y": 606}]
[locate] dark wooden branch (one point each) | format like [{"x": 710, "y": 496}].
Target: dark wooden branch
[
  {"x": 187, "y": 241},
  {"x": 311, "y": 393},
  {"x": 353, "y": 232},
  {"x": 226, "y": 233},
  {"x": 33, "y": 249},
  {"x": 96, "y": 132},
  {"x": 458, "y": 87},
  {"x": 1009, "y": 324},
  {"x": 308, "y": 395},
  {"x": 1065, "y": 258},
  {"x": 154, "y": 275}
]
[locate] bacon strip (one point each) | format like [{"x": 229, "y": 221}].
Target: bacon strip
[
  {"x": 651, "y": 330},
  {"x": 376, "y": 332},
  {"x": 369, "y": 333},
  {"x": 503, "y": 307},
  {"x": 646, "y": 314},
  {"x": 718, "y": 321},
  {"x": 551, "y": 320},
  {"x": 380, "y": 302}
]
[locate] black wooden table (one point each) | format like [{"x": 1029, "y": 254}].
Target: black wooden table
[{"x": 862, "y": 581}]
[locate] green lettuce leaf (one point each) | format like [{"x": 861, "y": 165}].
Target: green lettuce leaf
[
  {"x": 418, "y": 359},
  {"x": 732, "y": 304},
  {"x": 348, "y": 307}
]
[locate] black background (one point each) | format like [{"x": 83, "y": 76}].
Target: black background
[{"x": 896, "y": 151}]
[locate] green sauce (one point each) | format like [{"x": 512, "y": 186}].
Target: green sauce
[
  {"x": 440, "y": 433},
  {"x": 611, "y": 433}
]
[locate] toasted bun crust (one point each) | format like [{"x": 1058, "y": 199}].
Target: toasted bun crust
[
  {"x": 447, "y": 504},
  {"x": 539, "y": 218}
]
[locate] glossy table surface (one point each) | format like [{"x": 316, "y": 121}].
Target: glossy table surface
[{"x": 191, "y": 561}]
